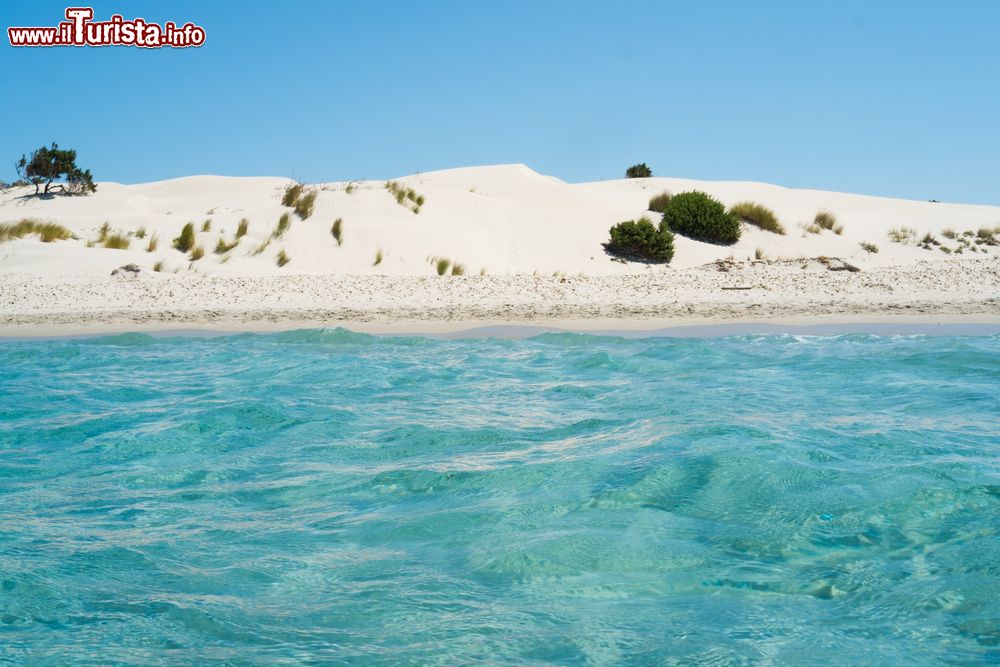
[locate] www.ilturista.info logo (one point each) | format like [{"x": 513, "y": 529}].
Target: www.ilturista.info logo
[{"x": 80, "y": 30}]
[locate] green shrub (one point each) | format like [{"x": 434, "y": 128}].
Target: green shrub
[
  {"x": 758, "y": 216},
  {"x": 825, "y": 220},
  {"x": 338, "y": 230},
  {"x": 282, "y": 258},
  {"x": 291, "y": 194},
  {"x": 660, "y": 201},
  {"x": 638, "y": 171},
  {"x": 641, "y": 240},
  {"x": 241, "y": 231},
  {"x": 441, "y": 265},
  {"x": 140, "y": 233},
  {"x": 304, "y": 206},
  {"x": 870, "y": 248},
  {"x": 698, "y": 216},
  {"x": 185, "y": 241}
]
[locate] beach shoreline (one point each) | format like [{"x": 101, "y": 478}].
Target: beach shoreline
[{"x": 772, "y": 297}]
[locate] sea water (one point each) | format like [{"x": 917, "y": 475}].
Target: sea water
[{"x": 329, "y": 497}]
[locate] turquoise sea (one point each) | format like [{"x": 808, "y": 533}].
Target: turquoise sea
[{"x": 326, "y": 497}]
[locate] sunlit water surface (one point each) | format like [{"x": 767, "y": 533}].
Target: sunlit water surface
[{"x": 329, "y": 497}]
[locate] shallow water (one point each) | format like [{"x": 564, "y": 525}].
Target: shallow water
[{"x": 324, "y": 496}]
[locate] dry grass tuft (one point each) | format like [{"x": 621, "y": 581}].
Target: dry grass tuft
[{"x": 758, "y": 216}]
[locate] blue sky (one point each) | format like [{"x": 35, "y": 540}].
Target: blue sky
[{"x": 890, "y": 98}]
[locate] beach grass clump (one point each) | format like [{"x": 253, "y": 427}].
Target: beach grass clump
[
  {"x": 158, "y": 265},
  {"x": 406, "y": 197},
  {"x": 47, "y": 231},
  {"x": 185, "y": 241},
  {"x": 378, "y": 257},
  {"x": 103, "y": 232},
  {"x": 284, "y": 223},
  {"x": 338, "y": 231},
  {"x": 153, "y": 243},
  {"x": 659, "y": 202},
  {"x": 441, "y": 264},
  {"x": 825, "y": 220},
  {"x": 207, "y": 225},
  {"x": 869, "y": 248},
  {"x": 902, "y": 234},
  {"x": 700, "y": 217},
  {"x": 757, "y": 215},
  {"x": 987, "y": 235},
  {"x": 457, "y": 269},
  {"x": 305, "y": 204},
  {"x": 838, "y": 230},
  {"x": 242, "y": 228},
  {"x": 758, "y": 254},
  {"x": 945, "y": 249},
  {"x": 51, "y": 231},
  {"x": 291, "y": 194},
  {"x": 950, "y": 234},
  {"x": 197, "y": 253},
  {"x": 140, "y": 233},
  {"x": 282, "y": 258},
  {"x": 641, "y": 240},
  {"x": 221, "y": 247},
  {"x": 261, "y": 247},
  {"x": 117, "y": 241}
]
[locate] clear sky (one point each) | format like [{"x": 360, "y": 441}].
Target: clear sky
[{"x": 896, "y": 98}]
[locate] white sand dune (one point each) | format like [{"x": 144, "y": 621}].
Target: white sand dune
[{"x": 505, "y": 220}]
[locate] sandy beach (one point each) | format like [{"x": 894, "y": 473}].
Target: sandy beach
[{"x": 529, "y": 248}]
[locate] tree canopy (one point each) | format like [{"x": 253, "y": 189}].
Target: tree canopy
[
  {"x": 49, "y": 164},
  {"x": 638, "y": 171}
]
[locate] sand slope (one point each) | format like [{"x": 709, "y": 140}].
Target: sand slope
[{"x": 503, "y": 219}]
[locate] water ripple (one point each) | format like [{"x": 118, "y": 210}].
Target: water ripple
[{"x": 323, "y": 496}]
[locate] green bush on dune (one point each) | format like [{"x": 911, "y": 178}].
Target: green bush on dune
[
  {"x": 698, "y": 216},
  {"x": 640, "y": 170},
  {"x": 641, "y": 240}
]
